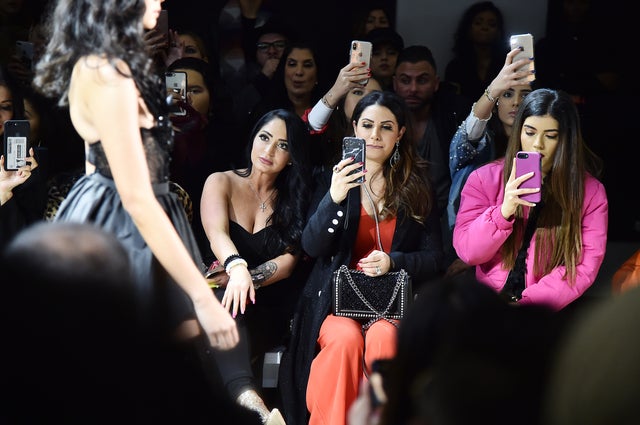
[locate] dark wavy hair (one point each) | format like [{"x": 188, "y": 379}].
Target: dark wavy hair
[
  {"x": 110, "y": 28},
  {"x": 407, "y": 184},
  {"x": 559, "y": 231},
  {"x": 293, "y": 184},
  {"x": 462, "y": 45}
]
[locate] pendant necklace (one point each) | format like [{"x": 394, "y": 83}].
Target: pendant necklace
[{"x": 263, "y": 204}]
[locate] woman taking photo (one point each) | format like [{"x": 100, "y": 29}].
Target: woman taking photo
[
  {"x": 340, "y": 232},
  {"x": 554, "y": 260}
]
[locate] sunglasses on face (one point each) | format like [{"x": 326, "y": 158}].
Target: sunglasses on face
[{"x": 278, "y": 45}]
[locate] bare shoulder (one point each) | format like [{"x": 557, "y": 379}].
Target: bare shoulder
[
  {"x": 96, "y": 70},
  {"x": 221, "y": 179}
]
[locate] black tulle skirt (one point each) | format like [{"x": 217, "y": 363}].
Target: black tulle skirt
[{"x": 94, "y": 199}]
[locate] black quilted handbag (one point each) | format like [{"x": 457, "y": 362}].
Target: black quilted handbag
[{"x": 359, "y": 296}]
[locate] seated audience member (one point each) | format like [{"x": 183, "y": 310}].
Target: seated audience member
[
  {"x": 329, "y": 355},
  {"x": 483, "y": 135},
  {"x": 436, "y": 113},
  {"x": 387, "y": 45},
  {"x": 328, "y": 129},
  {"x": 479, "y": 47},
  {"x": 295, "y": 85},
  {"x": 71, "y": 288},
  {"x": 22, "y": 191},
  {"x": 372, "y": 15},
  {"x": 547, "y": 253},
  {"x": 253, "y": 218},
  {"x": 271, "y": 40},
  {"x": 203, "y": 137}
]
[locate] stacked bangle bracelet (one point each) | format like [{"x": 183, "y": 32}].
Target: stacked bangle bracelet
[
  {"x": 232, "y": 261},
  {"x": 486, "y": 93}
]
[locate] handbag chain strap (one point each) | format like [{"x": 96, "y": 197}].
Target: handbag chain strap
[
  {"x": 375, "y": 216},
  {"x": 396, "y": 289}
]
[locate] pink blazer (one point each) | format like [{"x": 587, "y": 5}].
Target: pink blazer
[{"x": 480, "y": 231}]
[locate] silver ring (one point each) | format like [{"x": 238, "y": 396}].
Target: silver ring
[
  {"x": 336, "y": 169},
  {"x": 378, "y": 271}
]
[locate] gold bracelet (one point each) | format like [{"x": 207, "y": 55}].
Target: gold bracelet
[
  {"x": 486, "y": 93},
  {"x": 326, "y": 103}
]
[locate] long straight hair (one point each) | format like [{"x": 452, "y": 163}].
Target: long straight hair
[{"x": 559, "y": 232}]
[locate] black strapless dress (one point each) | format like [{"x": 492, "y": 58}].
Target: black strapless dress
[{"x": 94, "y": 199}]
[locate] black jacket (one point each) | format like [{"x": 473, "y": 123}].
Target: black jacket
[{"x": 328, "y": 238}]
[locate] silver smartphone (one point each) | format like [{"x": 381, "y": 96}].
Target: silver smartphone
[
  {"x": 526, "y": 42},
  {"x": 16, "y": 144},
  {"x": 360, "y": 51}
]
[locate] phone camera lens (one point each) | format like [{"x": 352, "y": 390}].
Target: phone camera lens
[{"x": 354, "y": 46}]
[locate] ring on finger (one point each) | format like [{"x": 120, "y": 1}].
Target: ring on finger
[{"x": 378, "y": 271}]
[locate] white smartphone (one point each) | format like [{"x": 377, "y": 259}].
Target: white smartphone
[
  {"x": 526, "y": 42},
  {"x": 176, "y": 83},
  {"x": 360, "y": 51},
  {"x": 16, "y": 144}
]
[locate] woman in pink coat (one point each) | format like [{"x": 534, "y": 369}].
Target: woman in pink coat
[{"x": 563, "y": 257}]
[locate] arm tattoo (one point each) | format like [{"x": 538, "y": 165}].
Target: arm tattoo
[{"x": 263, "y": 272}]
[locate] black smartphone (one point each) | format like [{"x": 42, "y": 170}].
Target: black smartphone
[
  {"x": 24, "y": 50},
  {"x": 16, "y": 144},
  {"x": 162, "y": 25},
  {"x": 355, "y": 147},
  {"x": 176, "y": 83},
  {"x": 377, "y": 382}
]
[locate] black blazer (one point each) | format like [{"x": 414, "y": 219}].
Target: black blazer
[{"x": 328, "y": 238}]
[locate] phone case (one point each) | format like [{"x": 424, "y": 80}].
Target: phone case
[
  {"x": 361, "y": 52},
  {"x": 355, "y": 147},
  {"x": 162, "y": 25},
  {"x": 24, "y": 50},
  {"x": 525, "y": 163},
  {"x": 176, "y": 82},
  {"x": 16, "y": 144},
  {"x": 526, "y": 41}
]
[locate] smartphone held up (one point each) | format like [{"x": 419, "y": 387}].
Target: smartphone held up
[
  {"x": 527, "y": 162},
  {"x": 176, "y": 85},
  {"x": 355, "y": 147},
  {"x": 16, "y": 144},
  {"x": 360, "y": 52},
  {"x": 525, "y": 41}
]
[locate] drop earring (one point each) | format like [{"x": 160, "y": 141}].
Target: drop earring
[{"x": 395, "y": 157}]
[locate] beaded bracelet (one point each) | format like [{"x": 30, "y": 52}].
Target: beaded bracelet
[
  {"x": 230, "y": 259},
  {"x": 235, "y": 262},
  {"x": 486, "y": 93},
  {"x": 326, "y": 103}
]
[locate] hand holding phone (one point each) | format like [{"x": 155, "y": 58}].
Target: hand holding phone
[
  {"x": 355, "y": 147},
  {"x": 527, "y": 162},
  {"x": 359, "y": 53},
  {"x": 176, "y": 84},
  {"x": 16, "y": 144},
  {"x": 526, "y": 42}
]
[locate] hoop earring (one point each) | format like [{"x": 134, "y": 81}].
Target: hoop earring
[{"x": 395, "y": 157}]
